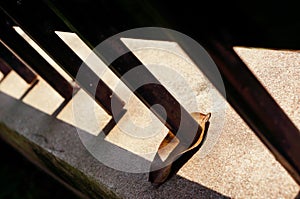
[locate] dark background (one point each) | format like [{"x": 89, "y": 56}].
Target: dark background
[{"x": 20, "y": 179}]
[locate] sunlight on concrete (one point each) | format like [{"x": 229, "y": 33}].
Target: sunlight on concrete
[
  {"x": 84, "y": 113},
  {"x": 139, "y": 131},
  {"x": 279, "y": 72},
  {"x": 183, "y": 79},
  {"x": 43, "y": 97},
  {"x": 239, "y": 165},
  {"x": 14, "y": 85}
]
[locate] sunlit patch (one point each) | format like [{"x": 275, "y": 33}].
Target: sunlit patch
[
  {"x": 43, "y": 97},
  {"x": 90, "y": 117},
  {"x": 14, "y": 85}
]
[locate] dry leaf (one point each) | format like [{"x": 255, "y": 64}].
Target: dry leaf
[{"x": 170, "y": 149}]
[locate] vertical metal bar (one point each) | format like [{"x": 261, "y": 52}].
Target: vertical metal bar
[
  {"x": 4, "y": 67},
  {"x": 40, "y": 23},
  {"x": 20, "y": 68},
  {"x": 257, "y": 107}
]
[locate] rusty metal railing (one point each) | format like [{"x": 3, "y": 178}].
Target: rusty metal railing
[{"x": 243, "y": 91}]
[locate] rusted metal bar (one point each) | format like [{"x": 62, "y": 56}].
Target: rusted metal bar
[
  {"x": 178, "y": 120},
  {"x": 257, "y": 107},
  {"x": 57, "y": 49},
  {"x": 20, "y": 68},
  {"x": 250, "y": 100},
  {"x": 4, "y": 67}
]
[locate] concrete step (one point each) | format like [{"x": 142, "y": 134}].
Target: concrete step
[{"x": 232, "y": 163}]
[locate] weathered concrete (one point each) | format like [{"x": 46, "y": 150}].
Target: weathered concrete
[{"x": 238, "y": 166}]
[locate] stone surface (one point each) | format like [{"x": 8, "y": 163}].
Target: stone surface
[
  {"x": 237, "y": 166},
  {"x": 13, "y": 85},
  {"x": 44, "y": 98}
]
